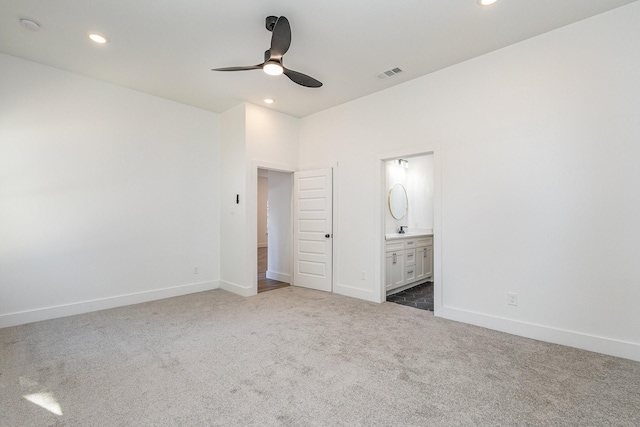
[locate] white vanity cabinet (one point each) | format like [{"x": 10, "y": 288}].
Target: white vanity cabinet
[
  {"x": 409, "y": 260},
  {"x": 394, "y": 265},
  {"x": 424, "y": 258}
]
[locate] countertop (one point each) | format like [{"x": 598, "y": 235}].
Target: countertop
[{"x": 408, "y": 234}]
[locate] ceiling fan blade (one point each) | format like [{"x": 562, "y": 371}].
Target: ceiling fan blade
[
  {"x": 302, "y": 79},
  {"x": 281, "y": 38},
  {"x": 249, "y": 67}
]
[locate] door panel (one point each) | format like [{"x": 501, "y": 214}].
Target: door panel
[{"x": 312, "y": 223}]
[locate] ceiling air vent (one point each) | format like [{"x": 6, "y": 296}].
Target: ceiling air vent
[{"x": 390, "y": 73}]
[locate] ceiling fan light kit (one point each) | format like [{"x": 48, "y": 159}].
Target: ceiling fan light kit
[
  {"x": 272, "y": 65},
  {"x": 272, "y": 68}
]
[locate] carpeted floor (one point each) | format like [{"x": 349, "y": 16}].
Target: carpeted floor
[{"x": 296, "y": 357}]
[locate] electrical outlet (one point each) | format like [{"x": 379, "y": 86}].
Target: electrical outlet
[
  {"x": 196, "y": 270},
  {"x": 512, "y": 299},
  {"x": 362, "y": 276}
]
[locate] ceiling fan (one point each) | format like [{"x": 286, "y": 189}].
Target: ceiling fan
[{"x": 280, "y": 42}]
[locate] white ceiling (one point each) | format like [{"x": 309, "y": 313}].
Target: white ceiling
[{"x": 167, "y": 47}]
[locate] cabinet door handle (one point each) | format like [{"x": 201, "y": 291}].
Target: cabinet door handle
[{"x": 394, "y": 257}]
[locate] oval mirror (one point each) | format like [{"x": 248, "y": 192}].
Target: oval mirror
[{"x": 398, "y": 201}]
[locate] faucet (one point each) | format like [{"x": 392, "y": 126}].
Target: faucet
[{"x": 402, "y": 227}]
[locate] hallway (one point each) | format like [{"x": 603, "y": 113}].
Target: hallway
[{"x": 265, "y": 284}]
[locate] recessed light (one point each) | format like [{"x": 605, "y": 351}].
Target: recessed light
[
  {"x": 268, "y": 101},
  {"x": 98, "y": 38},
  {"x": 486, "y": 2}
]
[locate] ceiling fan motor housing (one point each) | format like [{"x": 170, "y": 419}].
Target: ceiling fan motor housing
[
  {"x": 270, "y": 22},
  {"x": 267, "y": 57}
]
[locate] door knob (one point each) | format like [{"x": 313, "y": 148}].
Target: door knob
[{"x": 327, "y": 235}]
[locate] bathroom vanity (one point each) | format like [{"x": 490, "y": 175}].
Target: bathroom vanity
[{"x": 409, "y": 260}]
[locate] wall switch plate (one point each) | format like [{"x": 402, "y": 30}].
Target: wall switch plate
[
  {"x": 512, "y": 299},
  {"x": 196, "y": 270}
]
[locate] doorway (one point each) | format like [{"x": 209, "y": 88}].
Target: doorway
[
  {"x": 283, "y": 236},
  {"x": 273, "y": 230},
  {"x": 408, "y": 221}
]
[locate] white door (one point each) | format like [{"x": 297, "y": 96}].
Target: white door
[{"x": 313, "y": 229}]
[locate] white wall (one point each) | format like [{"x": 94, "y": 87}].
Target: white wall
[
  {"x": 234, "y": 255},
  {"x": 107, "y": 196},
  {"x": 263, "y": 197},
  {"x": 420, "y": 192},
  {"x": 280, "y": 193},
  {"x": 271, "y": 137},
  {"x": 394, "y": 174},
  {"x": 252, "y": 138},
  {"x": 418, "y": 182},
  {"x": 538, "y": 145}
]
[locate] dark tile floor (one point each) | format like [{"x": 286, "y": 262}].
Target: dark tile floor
[{"x": 420, "y": 296}]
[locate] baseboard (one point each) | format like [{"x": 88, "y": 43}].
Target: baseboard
[
  {"x": 46, "y": 313},
  {"x": 237, "y": 289},
  {"x": 612, "y": 347},
  {"x": 282, "y": 277},
  {"x": 352, "y": 292}
]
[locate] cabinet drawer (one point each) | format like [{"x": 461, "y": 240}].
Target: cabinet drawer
[
  {"x": 410, "y": 243},
  {"x": 424, "y": 241},
  {"x": 410, "y": 257},
  {"x": 410, "y": 274},
  {"x": 397, "y": 245}
]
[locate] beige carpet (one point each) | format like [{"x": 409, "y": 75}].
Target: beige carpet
[{"x": 299, "y": 357}]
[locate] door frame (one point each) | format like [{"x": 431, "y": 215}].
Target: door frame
[
  {"x": 252, "y": 218},
  {"x": 379, "y": 215}
]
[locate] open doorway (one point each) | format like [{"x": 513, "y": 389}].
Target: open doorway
[
  {"x": 273, "y": 230},
  {"x": 409, "y": 231}
]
